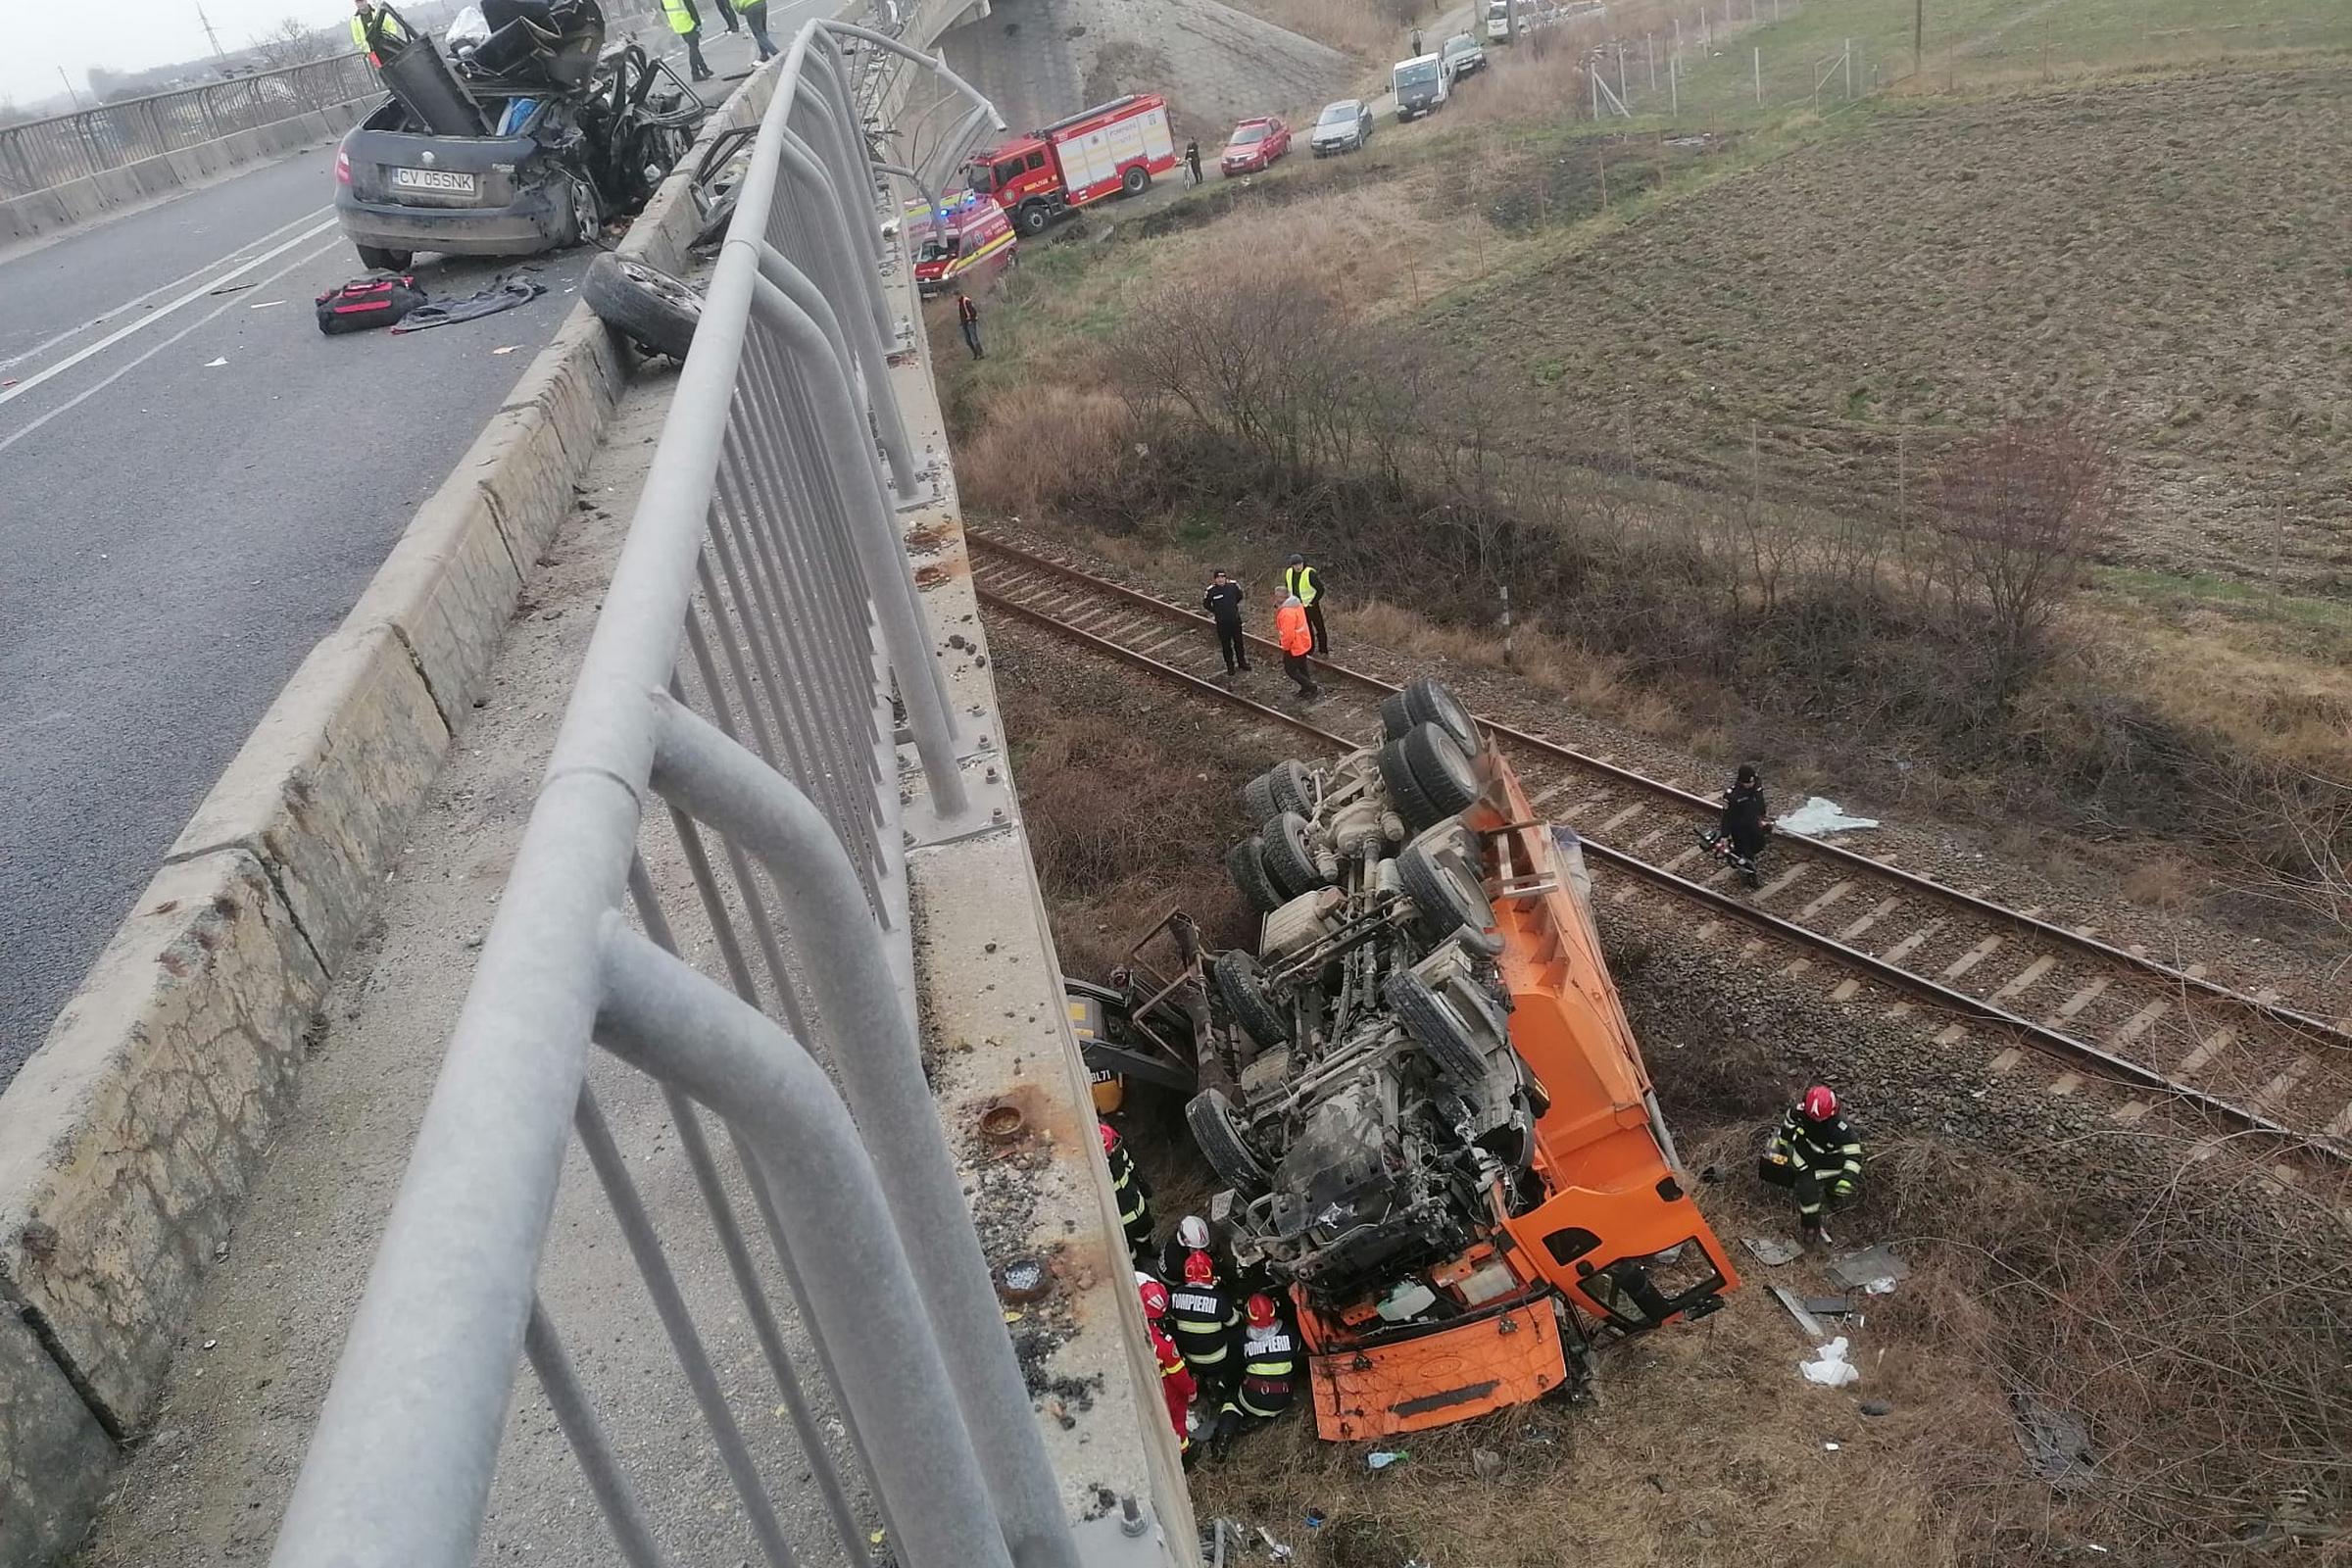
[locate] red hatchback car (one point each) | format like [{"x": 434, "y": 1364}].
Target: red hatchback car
[{"x": 1253, "y": 145}]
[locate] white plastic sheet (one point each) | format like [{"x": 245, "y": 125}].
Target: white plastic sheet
[
  {"x": 1819, "y": 816},
  {"x": 1830, "y": 1367}
]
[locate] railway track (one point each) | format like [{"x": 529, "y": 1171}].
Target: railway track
[{"x": 2106, "y": 1013}]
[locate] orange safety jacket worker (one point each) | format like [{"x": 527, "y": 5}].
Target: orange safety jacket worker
[{"x": 1291, "y": 630}]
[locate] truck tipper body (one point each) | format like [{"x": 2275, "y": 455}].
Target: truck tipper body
[
  {"x": 1109, "y": 150},
  {"x": 1422, "y": 1094}
]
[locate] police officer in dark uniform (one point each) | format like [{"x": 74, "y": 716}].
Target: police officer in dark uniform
[{"x": 1223, "y": 602}]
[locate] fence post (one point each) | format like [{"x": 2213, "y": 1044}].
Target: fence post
[
  {"x": 1849, "y": 68},
  {"x": 1674, "y": 87},
  {"x": 1760, "y": 53}
]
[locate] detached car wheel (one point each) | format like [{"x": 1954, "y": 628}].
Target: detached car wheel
[{"x": 654, "y": 310}]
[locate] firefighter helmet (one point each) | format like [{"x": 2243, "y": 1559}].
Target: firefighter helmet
[
  {"x": 1156, "y": 1298},
  {"x": 1200, "y": 1269},
  {"x": 1820, "y": 1103},
  {"x": 1192, "y": 1231},
  {"x": 1261, "y": 1310},
  {"x": 1110, "y": 1136}
]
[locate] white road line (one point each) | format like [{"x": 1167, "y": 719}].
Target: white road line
[
  {"x": 229, "y": 303},
  {"x": 106, "y": 316},
  {"x": 155, "y": 316}
]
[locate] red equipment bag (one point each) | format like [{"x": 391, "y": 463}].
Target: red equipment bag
[{"x": 368, "y": 302}]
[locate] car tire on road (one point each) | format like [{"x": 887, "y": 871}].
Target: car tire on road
[
  {"x": 643, "y": 303},
  {"x": 1242, "y": 987},
  {"x": 1209, "y": 1117},
  {"x": 376, "y": 258}
]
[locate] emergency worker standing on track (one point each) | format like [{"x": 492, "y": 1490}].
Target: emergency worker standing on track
[
  {"x": 1291, "y": 630},
  {"x": 1305, "y": 583},
  {"x": 1223, "y": 602},
  {"x": 1815, "y": 1155}
]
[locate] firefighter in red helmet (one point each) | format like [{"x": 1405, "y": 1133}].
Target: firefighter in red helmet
[
  {"x": 1176, "y": 1383},
  {"x": 1127, "y": 1185},
  {"x": 1269, "y": 1368},
  {"x": 1815, "y": 1155},
  {"x": 1206, "y": 1322}
]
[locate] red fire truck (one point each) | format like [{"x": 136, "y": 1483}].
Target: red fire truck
[{"x": 1108, "y": 150}]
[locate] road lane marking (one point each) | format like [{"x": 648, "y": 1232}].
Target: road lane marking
[
  {"x": 107, "y": 315},
  {"x": 224, "y": 305},
  {"x": 152, "y": 317}
]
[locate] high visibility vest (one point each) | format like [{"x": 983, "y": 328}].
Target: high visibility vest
[
  {"x": 1204, "y": 1320},
  {"x": 745, "y": 5},
  {"x": 1269, "y": 1363},
  {"x": 682, "y": 18},
  {"x": 1302, "y": 581},
  {"x": 389, "y": 29}
]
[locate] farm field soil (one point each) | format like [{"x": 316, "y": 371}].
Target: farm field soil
[{"x": 2163, "y": 255}]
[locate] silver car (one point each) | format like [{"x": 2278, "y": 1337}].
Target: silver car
[{"x": 1341, "y": 128}]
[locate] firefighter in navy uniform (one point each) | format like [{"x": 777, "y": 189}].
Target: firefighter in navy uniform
[
  {"x": 1815, "y": 1155},
  {"x": 1269, "y": 1370},
  {"x": 1191, "y": 1236},
  {"x": 1127, "y": 1185},
  {"x": 1206, "y": 1327}
]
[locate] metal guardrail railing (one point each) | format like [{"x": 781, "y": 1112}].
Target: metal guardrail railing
[
  {"x": 733, "y": 737},
  {"x": 38, "y": 154}
]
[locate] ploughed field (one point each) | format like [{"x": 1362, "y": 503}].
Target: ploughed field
[{"x": 2166, "y": 255}]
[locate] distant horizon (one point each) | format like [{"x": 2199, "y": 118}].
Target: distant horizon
[{"x": 36, "y": 42}]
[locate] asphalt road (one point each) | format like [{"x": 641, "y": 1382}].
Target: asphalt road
[{"x": 195, "y": 486}]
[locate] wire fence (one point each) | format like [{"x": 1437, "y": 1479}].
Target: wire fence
[
  {"x": 39, "y": 154},
  {"x": 726, "y": 786}
]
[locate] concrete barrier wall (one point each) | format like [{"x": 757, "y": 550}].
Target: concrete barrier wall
[
  {"x": 129, "y": 1139},
  {"x": 79, "y": 201}
]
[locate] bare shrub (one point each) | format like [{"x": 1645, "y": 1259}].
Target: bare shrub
[
  {"x": 1057, "y": 444},
  {"x": 2019, "y": 512}
]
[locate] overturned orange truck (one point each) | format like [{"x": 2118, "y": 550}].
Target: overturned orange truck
[{"x": 1421, "y": 1092}]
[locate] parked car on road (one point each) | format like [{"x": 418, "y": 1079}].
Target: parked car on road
[
  {"x": 1420, "y": 83},
  {"x": 1255, "y": 145},
  {"x": 1341, "y": 128},
  {"x": 1463, "y": 56}
]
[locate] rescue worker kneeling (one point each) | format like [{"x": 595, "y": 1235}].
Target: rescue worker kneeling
[
  {"x": 1269, "y": 1370},
  {"x": 1815, "y": 1155}
]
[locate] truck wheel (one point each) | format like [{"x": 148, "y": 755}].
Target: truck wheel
[
  {"x": 1210, "y": 1117},
  {"x": 643, "y": 303},
  {"x": 1289, "y": 858},
  {"x": 1247, "y": 863},
  {"x": 376, "y": 258},
  {"x": 1448, "y": 900},
  {"x": 1458, "y": 1045},
  {"x": 1441, "y": 768},
  {"x": 1031, "y": 220},
  {"x": 1286, "y": 786},
  {"x": 1395, "y": 721},
  {"x": 1257, "y": 798},
  {"x": 1135, "y": 180},
  {"x": 1427, "y": 701},
  {"x": 1242, "y": 987},
  {"x": 1404, "y": 791}
]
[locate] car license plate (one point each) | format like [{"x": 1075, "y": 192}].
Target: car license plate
[{"x": 450, "y": 182}]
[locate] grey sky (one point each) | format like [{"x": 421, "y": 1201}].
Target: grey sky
[{"x": 37, "y": 36}]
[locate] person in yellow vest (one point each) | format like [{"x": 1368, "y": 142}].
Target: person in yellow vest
[
  {"x": 687, "y": 23},
  {"x": 755, "y": 16},
  {"x": 371, "y": 28},
  {"x": 1306, "y": 583}
]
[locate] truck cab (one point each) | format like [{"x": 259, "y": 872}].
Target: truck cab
[{"x": 1421, "y": 84}]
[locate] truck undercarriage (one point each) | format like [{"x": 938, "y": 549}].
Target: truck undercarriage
[{"x": 1419, "y": 1090}]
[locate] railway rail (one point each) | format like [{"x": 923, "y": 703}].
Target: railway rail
[{"x": 2243, "y": 1061}]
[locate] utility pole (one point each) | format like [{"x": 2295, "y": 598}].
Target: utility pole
[
  {"x": 70, "y": 92},
  {"x": 1918, "y": 33},
  {"x": 210, "y": 34}
]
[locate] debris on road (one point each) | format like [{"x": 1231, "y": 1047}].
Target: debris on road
[
  {"x": 503, "y": 294},
  {"x": 214, "y": 364},
  {"x": 1771, "y": 1250}
]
